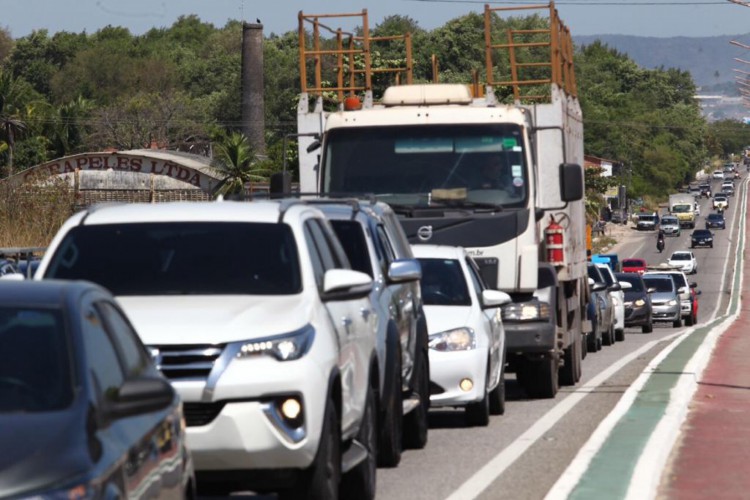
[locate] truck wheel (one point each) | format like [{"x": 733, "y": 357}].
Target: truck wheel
[
  {"x": 570, "y": 372},
  {"x": 360, "y": 481},
  {"x": 540, "y": 378},
  {"x": 390, "y": 435},
  {"x": 497, "y": 395},
  {"x": 619, "y": 334},
  {"x": 322, "y": 479},
  {"x": 415, "y": 423},
  {"x": 478, "y": 414}
]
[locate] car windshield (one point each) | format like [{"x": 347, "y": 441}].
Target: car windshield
[
  {"x": 680, "y": 256},
  {"x": 633, "y": 263},
  {"x": 35, "y": 361},
  {"x": 647, "y": 218},
  {"x": 664, "y": 284},
  {"x": 352, "y": 237},
  {"x": 429, "y": 165},
  {"x": 715, "y": 217},
  {"x": 182, "y": 258},
  {"x": 665, "y": 221},
  {"x": 702, "y": 233},
  {"x": 636, "y": 283},
  {"x": 443, "y": 283}
]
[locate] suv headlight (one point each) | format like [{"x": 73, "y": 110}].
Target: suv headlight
[
  {"x": 286, "y": 347},
  {"x": 458, "y": 339},
  {"x": 526, "y": 311}
]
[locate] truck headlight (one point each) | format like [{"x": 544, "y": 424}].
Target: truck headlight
[
  {"x": 458, "y": 339},
  {"x": 526, "y": 311},
  {"x": 286, "y": 347}
]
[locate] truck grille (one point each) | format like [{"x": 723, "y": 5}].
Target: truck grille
[
  {"x": 186, "y": 362},
  {"x": 197, "y": 414}
]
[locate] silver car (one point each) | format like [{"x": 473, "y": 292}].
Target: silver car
[
  {"x": 670, "y": 225},
  {"x": 664, "y": 299}
]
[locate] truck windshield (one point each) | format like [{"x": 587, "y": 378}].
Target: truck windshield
[
  {"x": 423, "y": 165},
  {"x": 682, "y": 209}
]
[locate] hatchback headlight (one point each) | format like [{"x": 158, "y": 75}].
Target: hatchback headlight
[
  {"x": 672, "y": 302},
  {"x": 458, "y": 339},
  {"x": 640, "y": 302},
  {"x": 287, "y": 347},
  {"x": 526, "y": 311}
]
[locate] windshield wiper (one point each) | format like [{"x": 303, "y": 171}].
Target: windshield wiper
[{"x": 490, "y": 207}]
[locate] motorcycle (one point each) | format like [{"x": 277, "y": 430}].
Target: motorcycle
[{"x": 660, "y": 243}]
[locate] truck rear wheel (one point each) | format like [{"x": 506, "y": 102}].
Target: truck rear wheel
[
  {"x": 539, "y": 378},
  {"x": 570, "y": 372}
]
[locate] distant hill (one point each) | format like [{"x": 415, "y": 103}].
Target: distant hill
[{"x": 710, "y": 60}]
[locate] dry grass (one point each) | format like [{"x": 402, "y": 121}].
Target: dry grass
[{"x": 31, "y": 213}]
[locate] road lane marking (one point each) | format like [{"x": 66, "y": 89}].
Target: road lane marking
[{"x": 582, "y": 479}]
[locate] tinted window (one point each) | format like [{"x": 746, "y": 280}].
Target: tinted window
[
  {"x": 594, "y": 274},
  {"x": 702, "y": 233},
  {"x": 35, "y": 360},
  {"x": 606, "y": 276},
  {"x": 635, "y": 281},
  {"x": 352, "y": 237},
  {"x": 633, "y": 263},
  {"x": 206, "y": 258},
  {"x": 133, "y": 354},
  {"x": 680, "y": 256},
  {"x": 443, "y": 283},
  {"x": 103, "y": 363}
]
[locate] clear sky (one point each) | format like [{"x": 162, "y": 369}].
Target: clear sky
[{"x": 659, "y": 18}]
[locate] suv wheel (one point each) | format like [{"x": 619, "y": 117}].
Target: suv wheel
[
  {"x": 415, "y": 423},
  {"x": 689, "y": 320},
  {"x": 390, "y": 434},
  {"x": 677, "y": 323},
  {"x": 360, "y": 481},
  {"x": 322, "y": 479},
  {"x": 619, "y": 334}
]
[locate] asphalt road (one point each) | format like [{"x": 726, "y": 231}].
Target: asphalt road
[{"x": 522, "y": 454}]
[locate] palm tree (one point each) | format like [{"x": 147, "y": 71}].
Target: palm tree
[
  {"x": 12, "y": 124},
  {"x": 235, "y": 159}
]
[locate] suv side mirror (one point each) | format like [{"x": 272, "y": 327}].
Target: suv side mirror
[
  {"x": 625, "y": 285},
  {"x": 615, "y": 287},
  {"x": 345, "y": 284},
  {"x": 598, "y": 286},
  {"x": 404, "y": 271}
]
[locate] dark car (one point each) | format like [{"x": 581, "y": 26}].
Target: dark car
[
  {"x": 83, "y": 411},
  {"x": 715, "y": 220},
  {"x": 638, "y": 309},
  {"x": 702, "y": 238}
]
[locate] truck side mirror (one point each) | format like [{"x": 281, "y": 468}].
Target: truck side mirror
[
  {"x": 313, "y": 146},
  {"x": 571, "y": 182}
]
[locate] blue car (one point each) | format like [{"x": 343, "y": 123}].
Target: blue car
[
  {"x": 715, "y": 220},
  {"x": 84, "y": 413}
]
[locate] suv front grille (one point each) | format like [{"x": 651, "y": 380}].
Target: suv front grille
[
  {"x": 197, "y": 414},
  {"x": 182, "y": 362}
]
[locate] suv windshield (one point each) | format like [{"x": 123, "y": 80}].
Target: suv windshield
[
  {"x": 191, "y": 258},
  {"x": 429, "y": 165}
]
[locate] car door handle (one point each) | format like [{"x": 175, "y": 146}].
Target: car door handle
[
  {"x": 365, "y": 313},
  {"x": 346, "y": 321}
]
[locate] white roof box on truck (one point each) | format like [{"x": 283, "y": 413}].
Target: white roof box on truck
[{"x": 423, "y": 95}]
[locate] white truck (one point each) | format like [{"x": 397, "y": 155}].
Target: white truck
[
  {"x": 427, "y": 149},
  {"x": 682, "y": 206}
]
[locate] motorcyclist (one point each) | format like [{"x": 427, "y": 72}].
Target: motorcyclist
[{"x": 660, "y": 241}]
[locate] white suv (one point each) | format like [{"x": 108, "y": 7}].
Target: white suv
[{"x": 254, "y": 314}]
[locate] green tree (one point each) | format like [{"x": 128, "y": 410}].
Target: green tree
[{"x": 236, "y": 161}]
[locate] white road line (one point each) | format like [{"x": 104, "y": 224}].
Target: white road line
[
  {"x": 648, "y": 470},
  {"x": 485, "y": 476}
]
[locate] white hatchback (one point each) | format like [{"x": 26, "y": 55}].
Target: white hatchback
[
  {"x": 467, "y": 339},
  {"x": 684, "y": 260}
]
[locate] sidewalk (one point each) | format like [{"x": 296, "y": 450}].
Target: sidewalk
[{"x": 711, "y": 459}]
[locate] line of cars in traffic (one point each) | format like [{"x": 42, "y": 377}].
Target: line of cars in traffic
[{"x": 306, "y": 357}]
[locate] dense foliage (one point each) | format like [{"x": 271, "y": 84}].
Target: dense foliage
[{"x": 179, "y": 87}]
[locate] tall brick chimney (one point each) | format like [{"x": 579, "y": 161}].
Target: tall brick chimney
[{"x": 253, "y": 110}]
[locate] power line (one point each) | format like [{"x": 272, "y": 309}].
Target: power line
[{"x": 581, "y": 2}]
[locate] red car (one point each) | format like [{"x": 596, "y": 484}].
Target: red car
[{"x": 633, "y": 266}]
